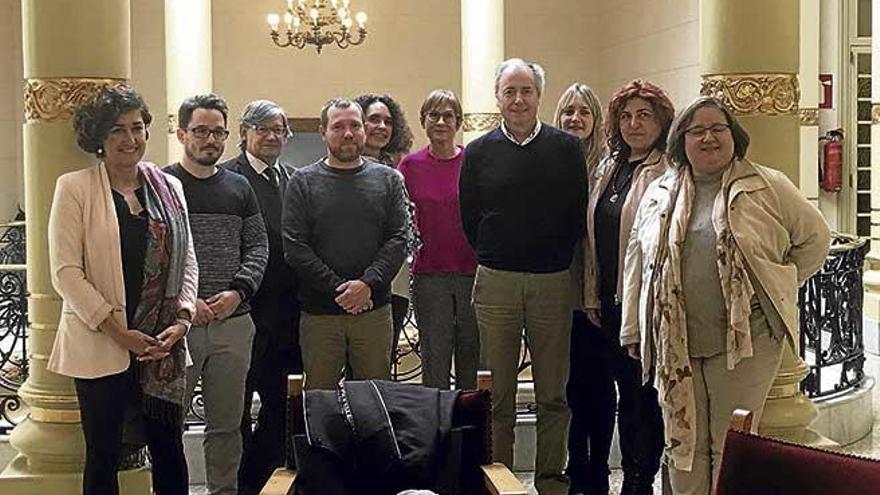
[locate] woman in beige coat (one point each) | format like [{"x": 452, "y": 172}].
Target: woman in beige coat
[
  {"x": 122, "y": 260},
  {"x": 719, "y": 248},
  {"x": 638, "y": 119}
]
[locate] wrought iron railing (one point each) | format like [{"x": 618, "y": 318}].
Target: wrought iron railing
[
  {"x": 13, "y": 322},
  {"x": 831, "y": 340}
]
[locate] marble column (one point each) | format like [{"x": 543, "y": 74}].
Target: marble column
[
  {"x": 808, "y": 112},
  {"x": 67, "y": 57},
  {"x": 188, "y": 60},
  {"x": 758, "y": 81},
  {"x": 871, "y": 308},
  {"x": 482, "y": 49}
]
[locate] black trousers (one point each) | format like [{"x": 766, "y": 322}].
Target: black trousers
[
  {"x": 102, "y": 404},
  {"x": 263, "y": 446},
  {"x": 598, "y": 363}
]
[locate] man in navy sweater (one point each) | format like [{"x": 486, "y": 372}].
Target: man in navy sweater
[{"x": 523, "y": 198}]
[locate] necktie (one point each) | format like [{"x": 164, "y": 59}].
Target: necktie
[{"x": 271, "y": 175}]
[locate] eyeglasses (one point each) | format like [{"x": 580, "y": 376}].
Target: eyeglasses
[
  {"x": 264, "y": 131},
  {"x": 446, "y": 116},
  {"x": 700, "y": 131},
  {"x": 202, "y": 132}
]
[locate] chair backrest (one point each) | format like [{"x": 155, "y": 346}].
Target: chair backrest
[
  {"x": 752, "y": 464},
  {"x": 472, "y": 408}
]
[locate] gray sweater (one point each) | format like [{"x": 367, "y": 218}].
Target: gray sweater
[{"x": 340, "y": 225}]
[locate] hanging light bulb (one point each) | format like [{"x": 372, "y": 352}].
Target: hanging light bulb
[{"x": 273, "y": 22}]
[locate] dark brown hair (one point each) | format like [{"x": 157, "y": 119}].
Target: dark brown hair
[
  {"x": 676, "y": 150},
  {"x": 94, "y": 118}
]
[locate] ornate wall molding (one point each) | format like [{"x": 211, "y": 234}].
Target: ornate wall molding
[
  {"x": 754, "y": 94},
  {"x": 55, "y": 99},
  {"x": 481, "y": 122},
  {"x": 809, "y": 116},
  {"x": 875, "y": 113}
]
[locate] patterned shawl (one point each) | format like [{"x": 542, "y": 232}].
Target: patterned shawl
[
  {"x": 163, "y": 381},
  {"x": 669, "y": 322}
]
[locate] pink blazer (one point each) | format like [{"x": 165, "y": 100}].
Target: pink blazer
[{"x": 85, "y": 262}]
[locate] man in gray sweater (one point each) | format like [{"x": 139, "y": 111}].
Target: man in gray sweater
[{"x": 344, "y": 234}]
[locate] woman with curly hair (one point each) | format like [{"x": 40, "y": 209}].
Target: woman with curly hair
[
  {"x": 579, "y": 112},
  {"x": 121, "y": 257},
  {"x": 388, "y": 139},
  {"x": 638, "y": 119},
  {"x": 385, "y": 126}
]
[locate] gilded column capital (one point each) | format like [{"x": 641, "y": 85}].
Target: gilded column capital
[
  {"x": 875, "y": 113},
  {"x": 481, "y": 122},
  {"x": 55, "y": 99},
  {"x": 754, "y": 94},
  {"x": 809, "y": 116}
]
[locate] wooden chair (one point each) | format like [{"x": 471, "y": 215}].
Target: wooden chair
[
  {"x": 754, "y": 465},
  {"x": 496, "y": 477}
]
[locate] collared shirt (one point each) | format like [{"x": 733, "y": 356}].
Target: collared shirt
[
  {"x": 528, "y": 138},
  {"x": 260, "y": 166}
]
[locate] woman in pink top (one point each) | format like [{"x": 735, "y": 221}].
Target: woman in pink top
[{"x": 443, "y": 269}]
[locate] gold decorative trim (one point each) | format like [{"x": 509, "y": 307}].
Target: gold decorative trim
[
  {"x": 809, "y": 116},
  {"x": 754, "y": 94},
  {"x": 875, "y": 113},
  {"x": 172, "y": 123},
  {"x": 783, "y": 391},
  {"x": 43, "y": 415},
  {"x": 55, "y": 99},
  {"x": 481, "y": 122}
]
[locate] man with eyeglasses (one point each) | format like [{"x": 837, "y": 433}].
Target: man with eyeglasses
[
  {"x": 231, "y": 247},
  {"x": 264, "y": 131}
]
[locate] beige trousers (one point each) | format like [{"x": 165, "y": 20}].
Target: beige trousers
[
  {"x": 718, "y": 392},
  {"x": 505, "y": 303},
  {"x": 331, "y": 342}
]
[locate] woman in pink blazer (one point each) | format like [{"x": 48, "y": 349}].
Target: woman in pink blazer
[{"x": 122, "y": 259}]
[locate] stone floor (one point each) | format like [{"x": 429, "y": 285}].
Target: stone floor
[{"x": 868, "y": 446}]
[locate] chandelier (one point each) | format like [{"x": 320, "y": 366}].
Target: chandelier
[{"x": 318, "y": 23}]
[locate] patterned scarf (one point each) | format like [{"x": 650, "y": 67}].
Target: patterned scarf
[
  {"x": 669, "y": 322},
  {"x": 163, "y": 381}
]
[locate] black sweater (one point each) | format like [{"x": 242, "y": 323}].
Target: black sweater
[
  {"x": 275, "y": 308},
  {"x": 340, "y": 225},
  {"x": 523, "y": 207}
]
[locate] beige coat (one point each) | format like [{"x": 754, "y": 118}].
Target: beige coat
[
  {"x": 783, "y": 238},
  {"x": 85, "y": 260},
  {"x": 653, "y": 167}
]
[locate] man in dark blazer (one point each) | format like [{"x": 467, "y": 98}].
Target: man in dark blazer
[{"x": 276, "y": 353}]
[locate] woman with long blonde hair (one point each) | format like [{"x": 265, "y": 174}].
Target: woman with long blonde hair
[{"x": 579, "y": 113}]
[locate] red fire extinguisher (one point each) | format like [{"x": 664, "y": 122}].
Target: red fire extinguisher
[{"x": 831, "y": 163}]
